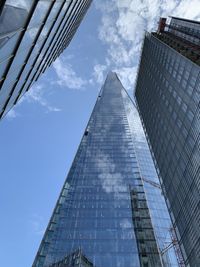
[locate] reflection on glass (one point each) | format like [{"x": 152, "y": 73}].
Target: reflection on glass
[
  {"x": 102, "y": 217},
  {"x": 76, "y": 259},
  {"x": 8, "y": 25},
  {"x": 40, "y": 12}
]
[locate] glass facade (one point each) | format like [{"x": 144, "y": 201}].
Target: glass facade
[
  {"x": 168, "y": 98},
  {"x": 29, "y": 42},
  {"x": 109, "y": 212}
]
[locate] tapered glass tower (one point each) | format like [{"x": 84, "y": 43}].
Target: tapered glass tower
[
  {"x": 33, "y": 33},
  {"x": 110, "y": 212}
]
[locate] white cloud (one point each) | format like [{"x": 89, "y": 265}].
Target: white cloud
[
  {"x": 126, "y": 223},
  {"x": 99, "y": 73},
  {"x": 127, "y": 76},
  {"x": 11, "y": 114},
  {"x": 111, "y": 180},
  {"x": 37, "y": 224},
  {"x": 67, "y": 76},
  {"x": 134, "y": 121},
  {"x": 36, "y": 94},
  {"x": 124, "y": 23}
]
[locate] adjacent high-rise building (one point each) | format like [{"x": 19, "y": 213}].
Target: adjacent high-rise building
[
  {"x": 111, "y": 211},
  {"x": 32, "y": 35},
  {"x": 168, "y": 96}
]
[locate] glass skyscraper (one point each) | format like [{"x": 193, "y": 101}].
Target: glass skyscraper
[
  {"x": 111, "y": 211},
  {"x": 168, "y": 98},
  {"x": 32, "y": 35}
]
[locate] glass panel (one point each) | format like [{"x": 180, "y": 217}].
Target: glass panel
[
  {"x": 29, "y": 37},
  {"x": 18, "y": 60},
  {"x": 7, "y": 45},
  {"x": 45, "y": 30},
  {"x": 40, "y": 12},
  {"x": 54, "y": 10},
  {"x": 9, "y": 106},
  {"x": 6, "y": 89},
  {"x": 3, "y": 67},
  {"x": 25, "y": 4},
  {"x": 18, "y": 11},
  {"x": 58, "y": 31},
  {"x": 20, "y": 83},
  {"x": 24, "y": 89}
]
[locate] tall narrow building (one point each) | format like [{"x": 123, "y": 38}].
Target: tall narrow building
[
  {"x": 168, "y": 97},
  {"x": 32, "y": 35},
  {"x": 111, "y": 212}
]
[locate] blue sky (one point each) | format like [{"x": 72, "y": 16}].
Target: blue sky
[{"x": 39, "y": 137}]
